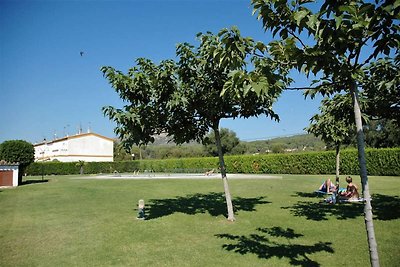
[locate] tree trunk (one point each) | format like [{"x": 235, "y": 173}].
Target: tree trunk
[
  {"x": 20, "y": 171},
  {"x": 373, "y": 247},
  {"x": 337, "y": 163},
  {"x": 231, "y": 216}
]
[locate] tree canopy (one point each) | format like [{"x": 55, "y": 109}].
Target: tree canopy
[
  {"x": 344, "y": 37},
  {"x": 17, "y": 151},
  {"x": 189, "y": 97},
  {"x": 381, "y": 87},
  {"x": 183, "y": 98},
  {"x": 382, "y": 133}
]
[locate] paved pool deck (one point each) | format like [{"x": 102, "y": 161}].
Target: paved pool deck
[{"x": 151, "y": 175}]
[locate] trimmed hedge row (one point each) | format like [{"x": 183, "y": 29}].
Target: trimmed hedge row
[
  {"x": 65, "y": 168},
  {"x": 379, "y": 162}
]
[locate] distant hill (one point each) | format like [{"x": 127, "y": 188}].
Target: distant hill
[
  {"x": 162, "y": 148},
  {"x": 301, "y": 142},
  {"x": 162, "y": 139}
]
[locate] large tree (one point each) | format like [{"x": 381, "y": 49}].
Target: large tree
[
  {"x": 183, "y": 98},
  {"x": 337, "y": 41}
]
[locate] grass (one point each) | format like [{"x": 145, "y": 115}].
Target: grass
[{"x": 67, "y": 221}]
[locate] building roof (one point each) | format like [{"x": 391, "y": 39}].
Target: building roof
[
  {"x": 73, "y": 137},
  {"x": 5, "y": 163}
]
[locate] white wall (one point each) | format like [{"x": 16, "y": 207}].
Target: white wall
[
  {"x": 90, "y": 145},
  {"x": 86, "y": 147},
  {"x": 48, "y": 150}
]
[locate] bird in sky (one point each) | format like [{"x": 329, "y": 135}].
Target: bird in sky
[{"x": 81, "y": 53}]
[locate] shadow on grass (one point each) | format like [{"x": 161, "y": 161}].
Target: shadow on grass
[
  {"x": 265, "y": 245},
  {"x": 213, "y": 203},
  {"x": 321, "y": 211},
  {"x": 26, "y": 182},
  {"x": 384, "y": 208},
  {"x": 307, "y": 194}
]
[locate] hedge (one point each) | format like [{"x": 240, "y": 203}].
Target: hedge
[{"x": 379, "y": 162}]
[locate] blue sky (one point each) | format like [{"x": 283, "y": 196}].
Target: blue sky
[{"x": 48, "y": 89}]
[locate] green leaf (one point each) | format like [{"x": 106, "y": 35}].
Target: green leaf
[
  {"x": 260, "y": 85},
  {"x": 300, "y": 15},
  {"x": 283, "y": 34},
  {"x": 246, "y": 89},
  {"x": 338, "y": 21},
  {"x": 312, "y": 22},
  {"x": 347, "y": 9},
  {"x": 227, "y": 87}
]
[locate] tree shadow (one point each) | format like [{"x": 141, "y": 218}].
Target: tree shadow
[
  {"x": 321, "y": 211},
  {"x": 306, "y": 194},
  {"x": 213, "y": 203},
  {"x": 275, "y": 242},
  {"x": 384, "y": 208},
  {"x": 27, "y": 182}
]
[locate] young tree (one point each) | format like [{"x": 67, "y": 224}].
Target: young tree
[
  {"x": 81, "y": 164},
  {"x": 18, "y": 151},
  {"x": 120, "y": 154},
  {"x": 337, "y": 41},
  {"x": 183, "y": 98},
  {"x": 229, "y": 141},
  {"x": 334, "y": 124}
]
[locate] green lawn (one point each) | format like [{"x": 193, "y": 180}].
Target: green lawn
[{"x": 279, "y": 222}]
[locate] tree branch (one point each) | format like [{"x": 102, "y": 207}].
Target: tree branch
[
  {"x": 297, "y": 38},
  {"x": 300, "y": 88},
  {"x": 258, "y": 55},
  {"x": 309, "y": 88},
  {"x": 359, "y": 53}
]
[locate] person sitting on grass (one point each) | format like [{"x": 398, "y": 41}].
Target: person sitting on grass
[
  {"x": 351, "y": 190},
  {"x": 208, "y": 173},
  {"x": 328, "y": 187}
]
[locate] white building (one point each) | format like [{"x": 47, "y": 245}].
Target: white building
[{"x": 86, "y": 147}]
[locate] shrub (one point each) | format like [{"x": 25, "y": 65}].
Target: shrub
[
  {"x": 379, "y": 162},
  {"x": 20, "y": 151}
]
